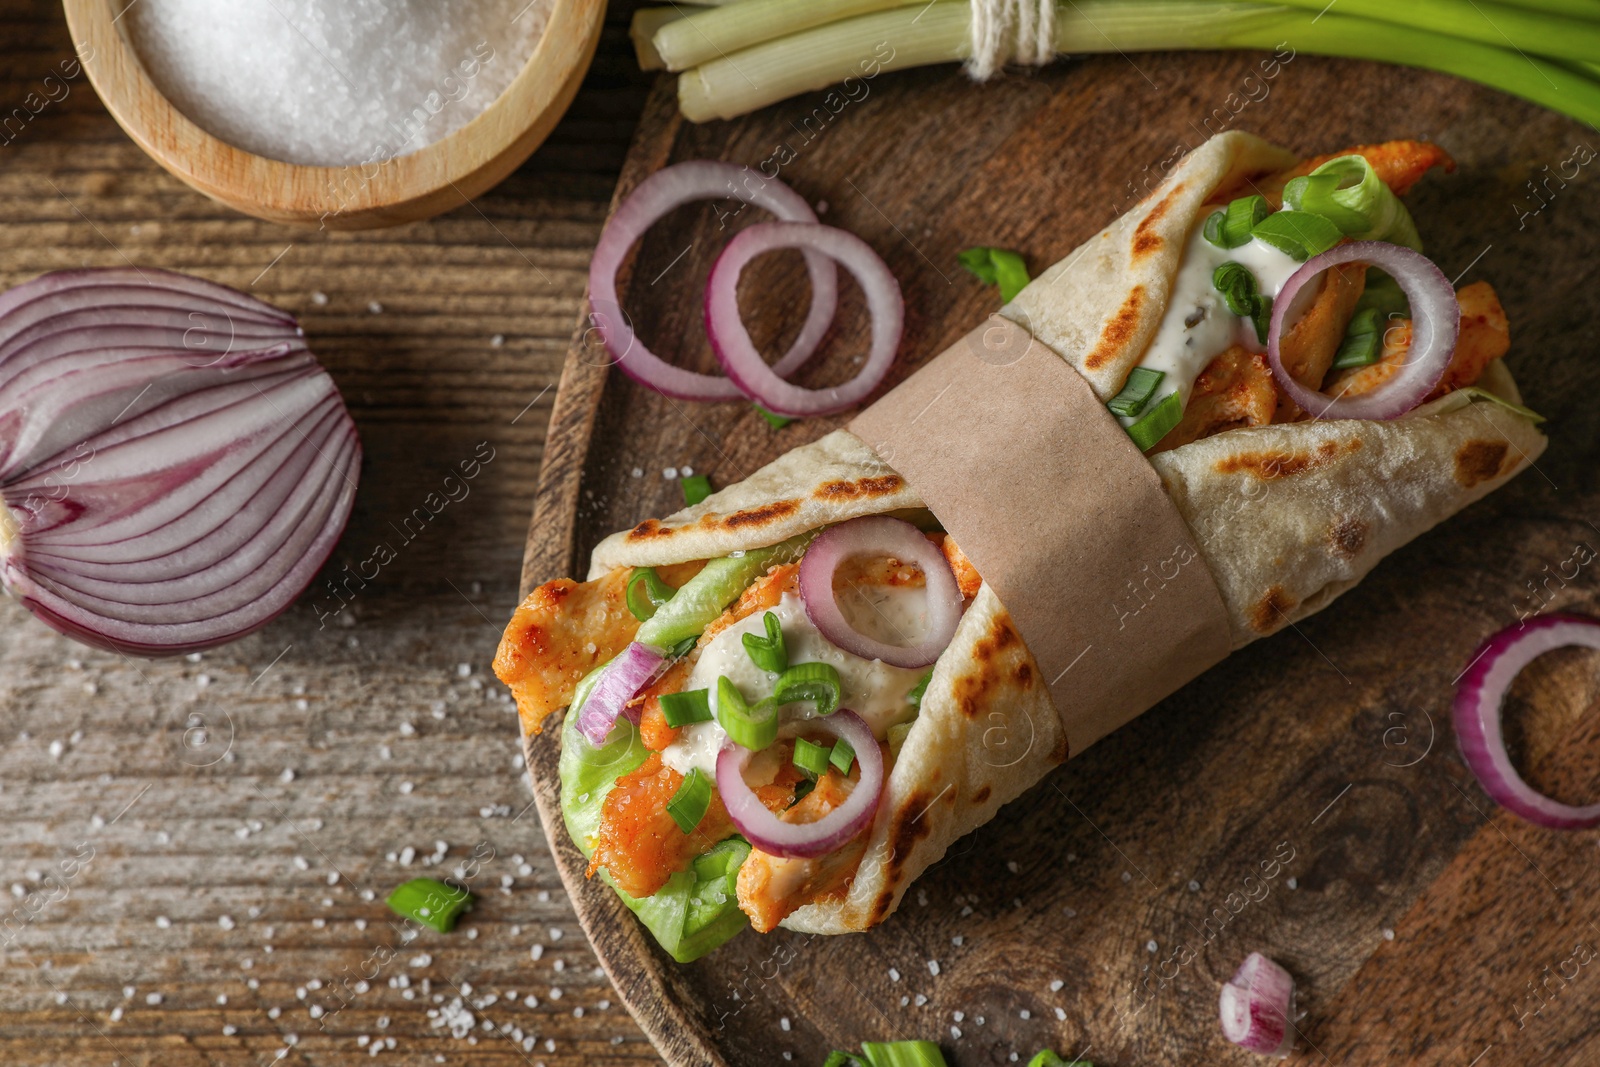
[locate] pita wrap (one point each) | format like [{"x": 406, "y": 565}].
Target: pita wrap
[{"x": 1285, "y": 516}]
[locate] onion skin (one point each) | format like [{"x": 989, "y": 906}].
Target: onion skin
[
  {"x": 1480, "y": 698},
  {"x": 175, "y": 466}
]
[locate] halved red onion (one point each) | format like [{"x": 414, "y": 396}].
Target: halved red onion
[
  {"x": 1435, "y": 325},
  {"x": 672, "y": 187},
  {"x": 879, "y": 536},
  {"x": 1479, "y": 698},
  {"x": 170, "y": 483},
  {"x": 1256, "y": 1005},
  {"x": 634, "y": 668},
  {"x": 775, "y": 837},
  {"x": 731, "y": 341}
]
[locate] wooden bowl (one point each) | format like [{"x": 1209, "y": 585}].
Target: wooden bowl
[{"x": 435, "y": 178}]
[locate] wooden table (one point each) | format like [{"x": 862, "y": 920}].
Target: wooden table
[{"x": 245, "y": 813}]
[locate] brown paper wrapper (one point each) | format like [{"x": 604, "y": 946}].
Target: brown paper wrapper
[{"x": 1063, "y": 517}]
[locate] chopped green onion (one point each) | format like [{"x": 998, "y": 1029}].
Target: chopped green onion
[
  {"x": 688, "y": 805},
  {"x": 1262, "y": 317},
  {"x": 1384, "y": 294},
  {"x": 842, "y": 756},
  {"x": 777, "y": 422},
  {"x": 1480, "y": 393},
  {"x": 1298, "y": 233},
  {"x": 903, "y": 1054},
  {"x": 722, "y": 860},
  {"x": 917, "y": 691},
  {"x": 810, "y": 757},
  {"x": 769, "y": 652},
  {"x": 1142, "y": 385},
  {"x": 1363, "y": 341},
  {"x": 801, "y": 788},
  {"x": 897, "y": 737},
  {"x": 1347, "y": 190},
  {"x": 696, "y": 488},
  {"x": 682, "y": 709},
  {"x": 682, "y": 648},
  {"x": 1232, "y": 227},
  {"x": 816, "y": 682},
  {"x": 430, "y": 902},
  {"x": 997, "y": 266},
  {"x": 1315, "y": 193},
  {"x": 647, "y": 592},
  {"x": 839, "y": 1058},
  {"x": 1158, "y": 422},
  {"x": 1049, "y": 1058},
  {"x": 752, "y": 727},
  {"x": 702, "y": 598},
  {"x": 1238, "y": 288}
]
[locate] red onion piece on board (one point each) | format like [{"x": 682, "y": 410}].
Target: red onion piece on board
[
  {"x": 775, "y": 837},
  {"x": 731, "y": 341},
  {"x": 1435, "y": 325},
  {"x": 879, "y": 536},
  {"x": 634, "y": 668},
  {"x": 1480, "y": 696},
  {"x": 1255, "y": 1007},
  {"x": 671, "y": 187},
  {"x": 175, "y": 466}
]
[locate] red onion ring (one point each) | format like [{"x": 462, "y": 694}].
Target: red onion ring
[
  {"x": 1435, "y": 324},
  {"x": 1255, "y": 1007},
  {"x": 634, "y": 668},
  {"x": 175, "y": 467},
  {"x": 731, "y": 341},
  {"x": 879, "y": 535},
  {"x": 775, "y": 837},
  {"x": 658, "y": 194},
  {"x": 1479, "y": 699}
]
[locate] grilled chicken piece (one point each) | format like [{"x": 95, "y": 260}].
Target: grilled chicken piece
[
  {"x": 1234, "y": 390},
  {"x": 772, "y": 887}
]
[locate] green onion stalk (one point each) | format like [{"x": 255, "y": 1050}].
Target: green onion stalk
[{"x": 758, "y": 52}]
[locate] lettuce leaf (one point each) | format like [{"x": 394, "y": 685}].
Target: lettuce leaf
[{"x": 697, "y": 910}]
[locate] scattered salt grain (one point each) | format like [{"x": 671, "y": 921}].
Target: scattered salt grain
[
  {"x": 1055, "y": 986},
  {"x": 933, "y": 968}
]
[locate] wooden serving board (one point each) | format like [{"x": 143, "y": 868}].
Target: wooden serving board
[{"x": 1304, "y": 798}]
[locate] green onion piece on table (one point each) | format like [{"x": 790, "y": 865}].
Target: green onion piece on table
[
  {"x": 1363, "y": 341},
  {"x": 769, "y": 652},
  {"x": 684, "y": 709},
  {"x": 903, "y": 1054},
  {"x": 1049, "y": 1058},
  {"x": 997, "y": 266},
  {"x": 1238, "y": 288},
  {"x": 1231, "y": 227},
  {"x": 1298, "y": 233},
  {"x": 430, "y": 902},
  {"x": 688, "y": 805},
  {"x": 816, "y": 682},
  {"x": 753, "y": 727},
  {"x": 646, "y": 592},
  {"x": 1142, "y": 385},
  {"x": 696, "y": 488},
  {"x": 702, "y": 598},
  {"x": 842, "y": 757},
  {"x": 777, "y": 422},
  {"x": 810, "y": 757},
  {"x": 1158, "y": 422}
]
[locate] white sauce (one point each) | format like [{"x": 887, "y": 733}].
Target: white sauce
[
  {"x": 1181, "y": 350},
  {"x": 871, "y": 688}
]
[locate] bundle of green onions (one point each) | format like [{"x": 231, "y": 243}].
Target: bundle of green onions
[{"x": 734, "y": 56}]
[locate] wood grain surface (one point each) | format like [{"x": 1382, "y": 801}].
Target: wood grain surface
[
  {"x": 1304, "y": 798},
  {"x": 224, "y": 900}
]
